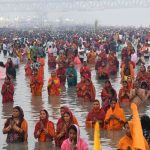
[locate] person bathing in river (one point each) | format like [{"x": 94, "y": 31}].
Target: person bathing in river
[
  {"x": 36, "y": 83},
  {"x": 7, "y": 90},
  {"x": 16, "y": 127},
  {"x": 88, "y": 90},
  {"x": 44, "y": 129},
  {"x": 63, "y": 109},
  {"x": 53, "y": 85},
  {"x": 107, "y": 93},
  {"x": 74, "y": 142},
  {"x": 115, "y": 117},
  {"x": 124, "y": 93},
  {"x": 96, "y": 114},
  {"x": 62, "y": 128},
  {"x": 71, "y": 74}
]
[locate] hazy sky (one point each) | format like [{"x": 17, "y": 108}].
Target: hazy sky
[
  {"x": 130, "y": 16},
  {"x": 123, "y": 16}
]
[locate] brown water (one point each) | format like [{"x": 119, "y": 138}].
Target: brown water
[{"x": 32, "y": 106}]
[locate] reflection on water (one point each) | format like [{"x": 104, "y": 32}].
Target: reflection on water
[
  {"x": 44, "y": 146},
  {"x": 32, "y": 106},
  {"x": 16, "y": 147}
]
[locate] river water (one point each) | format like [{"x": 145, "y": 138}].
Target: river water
[{"x": 32, "y": 106}]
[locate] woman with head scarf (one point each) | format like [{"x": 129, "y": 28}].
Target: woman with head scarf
[
  {"x": 44, "y": 129},
  {"x": 124, "y": 93},
  {"x": 63, "y": 109},
  {"x": 71, "y": 74},
  {"x": 10, "y": 69},
  {"x": 36, "y": 83},
  {"x": 74, "y": 142},
  {"x": 115, "y": 117},
  {"x": 62, "y": 128},
  {"x": 7, "y": 90},
  {"x": 53, "y": 85},
  {"x": 107, "y": 93},
  {"x": 16, "y": 127},
  {"x": 61, "y": 73},
  {"x": 88, "y": 90}
]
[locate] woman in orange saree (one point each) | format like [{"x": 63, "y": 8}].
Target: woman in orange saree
[
  {"x": 28, "y": 70},
  {"x": 62, "y": 128},
  {"x": 36, "y": 83},
  {"x": 124, "y": 93},
  {"x": 115, "y": 117},
  {"x": 53, "y": 85},
  {"x": 41, "y": 61},
  {"x": 44, "y": 129}
]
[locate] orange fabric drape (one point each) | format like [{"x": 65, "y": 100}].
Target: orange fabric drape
[
  {"x": 136, "y": 130},
  {"x": 137, "y": 140},
  {"x": 36, "y": 85},
  {"x": 54, "y": 86},
  {"x": 24, "y": 126},
  {"x": 51, "y": 131},
  {"x": 114, "y": 124}
]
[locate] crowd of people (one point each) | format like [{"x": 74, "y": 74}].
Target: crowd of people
[{"x": 108, "y": 49}]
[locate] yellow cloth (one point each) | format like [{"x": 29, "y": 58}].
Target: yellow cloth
[{"x": 97, "y": 144}]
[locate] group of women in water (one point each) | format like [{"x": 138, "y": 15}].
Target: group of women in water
[{"x": 63, "y": 55}]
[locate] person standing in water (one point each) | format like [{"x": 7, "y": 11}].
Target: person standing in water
[{"x": 74, "y": 142}]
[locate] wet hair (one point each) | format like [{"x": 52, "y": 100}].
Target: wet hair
[
  {"x": 145, "y": 122},
  {"x": 21, "y": 114},
  {"x": 2, "y": 64},
  {"x": 72, "y": 127}
]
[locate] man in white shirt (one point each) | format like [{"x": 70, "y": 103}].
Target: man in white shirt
[{"x": 81, "y": 52}]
